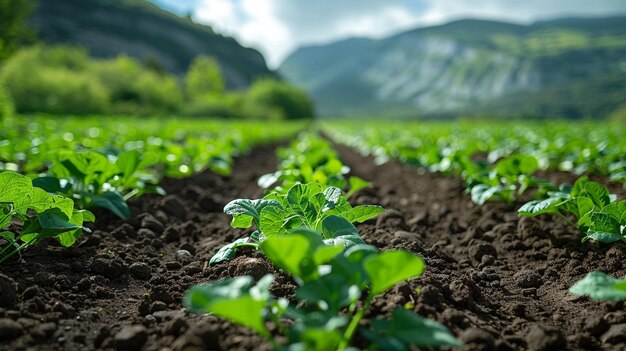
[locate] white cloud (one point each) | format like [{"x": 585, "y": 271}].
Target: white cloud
[{"x": 277, "y": 27}]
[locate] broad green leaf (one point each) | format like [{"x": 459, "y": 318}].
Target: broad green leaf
[
  {"x": 604, "y": 228},
  {"x": 48, "y": 183},
  {"x": 598, "y": 193},
  {"x": 600, "y": 287},
  {"x": 231, "y": 299},
  {"x": 292, "y": 252},
  {"x": 273, "y": 221},
  {"x": 241, "y": 220},
  {"x": 537, "y": 207},
  {"x": 335, "y": 226},
  {"x": 617, "y": 210},
  {"x": 15, "y": 189},
  {"x": 584, "y": 205},
  {"x": 481, "y": 193},
  {"x": 42, "y": 201},
  {"x": 248, "y": 207},
  {"x": 410, "y": 329},
  {"x": 324, "y": 254},
  {"x": 391, "y": 267},
  {"x": 128, "y": 161},
  {"x": 87, "y": 216},
  {"x": 362, "y": 213},
  {"x": 68, "y": 239},
  {"x": 579, "y": 186},
  {"x": 112, "y": 201},
  {"x": 241, "y": 207},
  {"x": 339, "y": 208},
  {"x": 332, "y": 195},
  {"x": 54, "y": 222},
  {"x": 329, "y": 292},
  {"x": 228, "y": 252}
]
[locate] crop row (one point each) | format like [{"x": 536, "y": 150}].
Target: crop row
[
  {"x": 50, "y": 180},
  {"x": 305, "y": 226},
  {"x": 500, "y": 162}
]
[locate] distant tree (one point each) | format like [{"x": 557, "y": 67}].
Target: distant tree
[
  {"x": 278, "y": 100},
  {"x": 204, "y": 77},
  {"x": 14, "y": 30}
]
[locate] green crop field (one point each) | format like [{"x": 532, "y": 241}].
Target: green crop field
[{"x": 312, "y": 175}]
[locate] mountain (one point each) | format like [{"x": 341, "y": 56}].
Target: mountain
[
  {"x": 142, "y": 30},
  {"x": 471, "y": 67}
]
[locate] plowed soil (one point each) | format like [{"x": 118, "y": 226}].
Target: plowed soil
[{"x": 497, "y": 281}]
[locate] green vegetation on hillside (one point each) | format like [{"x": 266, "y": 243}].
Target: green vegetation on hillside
[
  {"x": 144, "y": 31},
  {"x": 68, "y": 81},
  {"x": 13, "y": 30}
]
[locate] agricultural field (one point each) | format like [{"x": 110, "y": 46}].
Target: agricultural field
[{"x": 189, "y": 234}]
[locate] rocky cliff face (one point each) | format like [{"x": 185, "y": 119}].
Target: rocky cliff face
[
  {"x": 139, "y": 29},
  {"x": 462, "y": 67}
]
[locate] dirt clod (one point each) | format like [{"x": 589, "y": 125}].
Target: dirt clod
[{"x": 131, "y": 338}]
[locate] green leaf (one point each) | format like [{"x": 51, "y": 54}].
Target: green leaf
[
  {"x": 87, "y": 216},
  {"x": 241, "y": 221},
  {"x": 48, "y": 183},
  {"x": 579, "y": 186},
  {"x": 332, "y": 195},
  {"x": 598, "y": 193},
  {"x": 329, "y": 292},
  {"x": 617, "y": 210},
  {"x": 391, "y": 267},
  {"x": 584, "y": 205},
  {"x": 362, "y": 213},
  {"x": 482, "y": 193},
  {"x": 273, "y": 221},
  {"x": 227, "y": 252},
  {"x": 600, "y": 287},
  {"x": 68, "y": 238},
  {"x": 326, "y": 253},
  {"x": 112, "y": 201},
  {"x": 292, "y": 253},
  {"x": 537, "y": 207},
  {"x": 127, "y": 162},
  {"x": 15, "y": 189},
  {"x": 231, "y": 299},
  {"x": 356, "y": 184},
  {"x": 248, "y": 207},
  {"x": 54, "y": 222},
  {"x": 604, "y": 228},
  {"x": 335, "y": 226},
  {"x": 42, "y": 201},
  {"x": 406, "y": 328}
]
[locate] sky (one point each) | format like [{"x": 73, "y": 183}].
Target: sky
[{"x": 277, "y": 27}]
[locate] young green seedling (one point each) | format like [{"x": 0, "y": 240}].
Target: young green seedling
[
  {"x": 311, "y": 159},
  {"x": 598, "y": 216},
  {"x": 336, "y": 287},
  {"x": 304, "y": 205},
  {"x": 40, "y": 214},
  {"x": 95, "y": 179}
]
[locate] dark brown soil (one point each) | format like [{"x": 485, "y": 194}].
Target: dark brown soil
[
  {"x": 497, "y": 281},
  {"x": 122, "y": 286}
]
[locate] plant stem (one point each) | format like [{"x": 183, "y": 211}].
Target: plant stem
[
  {"x": 354, "y": 323},
  {"x": 18, "y": 249}
]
